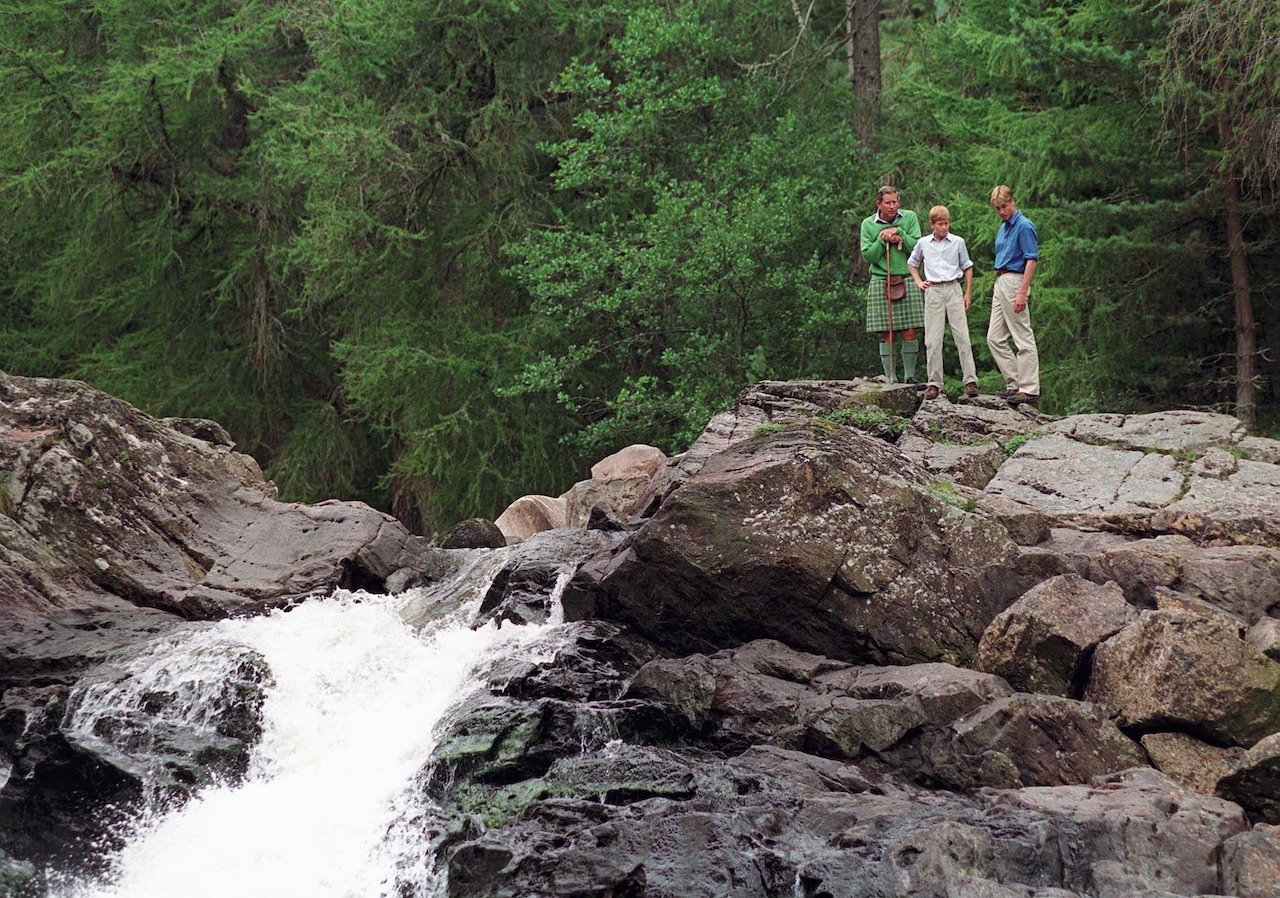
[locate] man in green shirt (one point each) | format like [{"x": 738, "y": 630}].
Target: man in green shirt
[{"x": 888, "y": 237}]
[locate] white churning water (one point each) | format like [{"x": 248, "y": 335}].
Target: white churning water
[{"x": 329, "y": 808}]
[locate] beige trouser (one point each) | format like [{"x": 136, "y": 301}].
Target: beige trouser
[
  {"x": 1021, "y": 372},
  {"x": 944, "y": 304}
]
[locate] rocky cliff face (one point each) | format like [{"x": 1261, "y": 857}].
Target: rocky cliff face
[
  {"x": 116, "y": 527},
  {"x": 847, "y": 645}
]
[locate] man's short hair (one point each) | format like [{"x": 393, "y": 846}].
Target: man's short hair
[
  {"x": 939, "y": 212},
  {"x": 885, "y": 191},
  {"x": 1001, "y": 193}
]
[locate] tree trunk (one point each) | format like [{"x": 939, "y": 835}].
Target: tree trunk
[
  {"x": 862, "y": 29},
  {"x": 1246, "y": 332}
]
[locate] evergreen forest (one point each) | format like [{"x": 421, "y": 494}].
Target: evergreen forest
[{"x": 436, "y": 254}]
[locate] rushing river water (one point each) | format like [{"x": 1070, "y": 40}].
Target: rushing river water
[{"x": 331, "y": 806}]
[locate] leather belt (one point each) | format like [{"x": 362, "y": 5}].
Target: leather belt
[{"x": 1008, "y": 271}]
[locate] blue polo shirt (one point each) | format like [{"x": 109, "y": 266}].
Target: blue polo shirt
[{"x": 1016, "y": 242}]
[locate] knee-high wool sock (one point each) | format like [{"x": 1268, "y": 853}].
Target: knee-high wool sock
[
  {"x": 884, "y": 363},
  {"x": 910, "y": 352}
]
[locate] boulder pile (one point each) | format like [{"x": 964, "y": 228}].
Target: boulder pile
[
  {"x": 847, "y": 644},
  {"x": 953, "y": 622}
]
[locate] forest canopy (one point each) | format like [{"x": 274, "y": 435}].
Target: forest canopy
[{"x": 436, "y": 254}]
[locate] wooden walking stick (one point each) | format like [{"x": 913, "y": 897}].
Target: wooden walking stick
[{"x": 888, "y": 301}]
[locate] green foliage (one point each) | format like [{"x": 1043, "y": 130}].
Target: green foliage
[
  {"x": 946, "y": 491},
  {"x": 1219, "y": 88},
  {"x": 701, "y": 247},
  {"x": 868, "y": 418},
  {"x": 252, "y": 211},
  {"x": 1057, "y": 101},
  {"x": 438, "y": 255},
  {"x": 1013, "y": 444}
]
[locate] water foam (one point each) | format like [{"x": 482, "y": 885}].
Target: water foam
[{"x": 328, "y": 808}]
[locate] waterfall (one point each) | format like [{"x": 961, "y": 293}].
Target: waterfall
[{"x": 328, "y": 807}]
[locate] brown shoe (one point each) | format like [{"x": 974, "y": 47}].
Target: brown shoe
[
  {"x": 971, "y": 390},
  {"x": 1024, "y": 399},
  {"x": 931, "y": 392}
]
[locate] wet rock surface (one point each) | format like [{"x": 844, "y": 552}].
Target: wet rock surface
[{"x": 769, "y": 683}]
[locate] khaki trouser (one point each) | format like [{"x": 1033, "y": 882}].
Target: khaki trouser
[
  {"x": 1021, "y": 372},
  {"x": 944, "y": 304}
]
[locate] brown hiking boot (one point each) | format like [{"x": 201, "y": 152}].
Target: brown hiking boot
[
  {"x": 931, "y": 392},
  {"x": 971, "y": 390},
  {"x": 1024, "y": 399}
]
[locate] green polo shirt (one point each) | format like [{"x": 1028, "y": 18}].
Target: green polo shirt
[{"x": 873, "y": 247}]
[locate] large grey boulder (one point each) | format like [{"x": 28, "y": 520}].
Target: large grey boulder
[
  {"x": 1251, "y": 863},
  {"x": 1169, "y": 472},
  {"x": 1045, "y": 641},
  {"x": 1190, "y": 762},
  {"x": 612, "y": 500},
  {"x": 1237, "y": 503},
  {"x": 972, "y": 423},
  {"x": 971, "y": 465},
  {"x": 1026, "y": 524},
  {"x": 1240, "y": 580},
  {"x": 1178, "y": 668},
  {"x": 964, "y": 443},
  {"x": 1075, "y": 482},
  {"x": 1244, "y": 580},
  {"x": 1179, "y": 430},
  {"x": 1031, "y": 740},
  {"x": 775, "y": 404},
  {"x": 527, "y": 587},
  {"x": 531, "y": 514},
  {"x": 943, "y": 692},
  {"x": 1135, "y": 832},
  {"x": 169, "y": 521},
  {"x": 761, "y": 689},
  {"x": 107, "y": 510},
  {"x": 1254, "y": 784},
  {"x": 835, "y": 527}
]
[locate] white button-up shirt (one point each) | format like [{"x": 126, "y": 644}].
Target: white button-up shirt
[{"x": 944, "y": 260}]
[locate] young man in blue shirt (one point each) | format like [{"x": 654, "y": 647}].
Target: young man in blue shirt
[{"x": 1017, "y": 252}]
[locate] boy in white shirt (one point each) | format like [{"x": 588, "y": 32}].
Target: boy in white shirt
[{"x": 945, "y": 260}]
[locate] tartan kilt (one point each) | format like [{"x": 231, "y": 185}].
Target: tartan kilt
[{"x": 907, "y": 312}]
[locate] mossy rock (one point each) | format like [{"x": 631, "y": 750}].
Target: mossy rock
[{"x": 473, "y": 533}]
